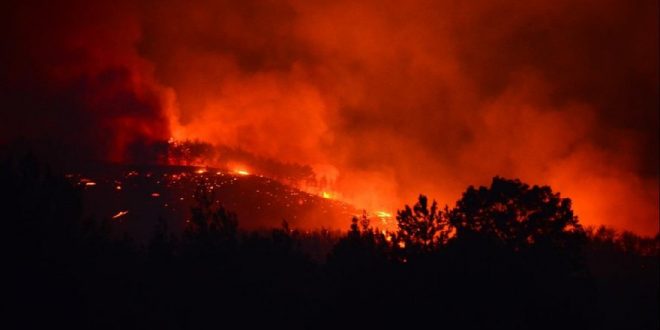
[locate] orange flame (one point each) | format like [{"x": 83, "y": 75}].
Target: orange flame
[{"x": 120, "y": 214}]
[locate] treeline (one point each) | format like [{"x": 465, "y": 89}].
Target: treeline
[
  {"x": 507, "y": 256},
  {"x": 194, "y": 152}
]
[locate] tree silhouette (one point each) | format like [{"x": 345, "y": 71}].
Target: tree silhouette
[
  {"x": 421, "y": 227},
  {"x": 517, "y": 215},
  {"x": 506, "y": 256},
  {"x": 162, "y": 244},
  {"x": 528, "y": 237},
  {"x": 361, "y": 244},
  {"x": 212, "y": 230}
]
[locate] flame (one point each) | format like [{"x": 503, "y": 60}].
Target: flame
[
  {"x": 120, "y": 214},
  {"x": 326, "y": 195},
  {"x": 387, "y": 235},
  {"x": 87, "y": 182},
  {"x": 362, "y": 114},
  {"x": 383, "y": 214},
  {"x": 241, "y": 172}
]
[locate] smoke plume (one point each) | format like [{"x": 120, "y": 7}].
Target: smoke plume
[{"x": 383, "y": 99}]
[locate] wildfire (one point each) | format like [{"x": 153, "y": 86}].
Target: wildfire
[{"x": 326, "y": 195}]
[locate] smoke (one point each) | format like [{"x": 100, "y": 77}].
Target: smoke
[
  {"x": 73, "y": 80},
  {"x": 384, "y": 99}
]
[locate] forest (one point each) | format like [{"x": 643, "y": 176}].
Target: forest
[{"x": 505, "y": 256}]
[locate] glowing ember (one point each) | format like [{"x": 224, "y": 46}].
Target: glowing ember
[
  {"x": 87, "y": 182},
  {"x": 201, "y": 171},
  {"x": 120, "y": 214},
  {"x": 155, "y": 194}
]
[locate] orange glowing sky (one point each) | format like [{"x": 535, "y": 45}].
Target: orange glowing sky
[{"x": 385, "y": 99}]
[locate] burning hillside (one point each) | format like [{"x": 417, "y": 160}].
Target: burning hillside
[
  {"x": 482, "y": 164},
  {"x": 383, "y": 100},
  {"x": 134, "y": 197}
]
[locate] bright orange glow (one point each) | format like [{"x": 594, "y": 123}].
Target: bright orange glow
[
  {"x": 242, "y": 172},
  {"x": 378, "y": 100},
  {"x": 120, "y": 214},
  {"x": 384, "y": 111},
  {"x": 383, "y": 214},
  {"x": 385, "y": 218}
]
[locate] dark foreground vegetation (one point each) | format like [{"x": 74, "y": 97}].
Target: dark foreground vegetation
[{"x": 508, "y": 256}]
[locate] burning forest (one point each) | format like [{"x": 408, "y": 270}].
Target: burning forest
[{"x": 323, "y": 164}]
